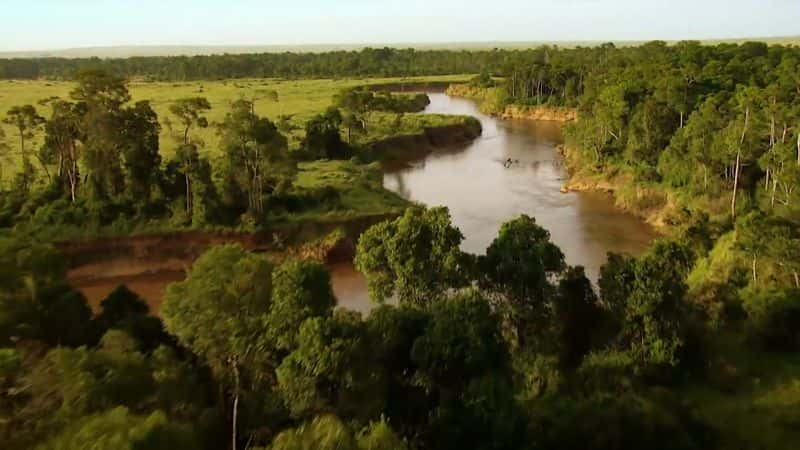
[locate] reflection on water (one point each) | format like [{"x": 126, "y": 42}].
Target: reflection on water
[{"x": 482, "y": 191}]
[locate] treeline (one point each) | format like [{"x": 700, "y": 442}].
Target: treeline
[
  {"x": 711, "y": 135},
  {"x": 510, "y": 350},
  {"x": 383, "y": 62},
  {"x": 705, "y": 139}
]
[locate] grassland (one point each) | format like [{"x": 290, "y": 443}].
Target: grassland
[
  {"x": 360, "y": 188},
  {"x": 300, "y": 99}
]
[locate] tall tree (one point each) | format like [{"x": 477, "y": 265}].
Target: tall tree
[
  {"x": 103, "y": 96},
  {"x": 3, "y": 154},
  {"x": 415, "y": 257},
  {"x": 190, "y": 115},
  {"x": 218, "y": 313},
  {"x": 140, "y": 152},
  {"x": 255, "y": 144},
  {"x": 27, "y": 122},
  {"x": 517, "y": 267},
  {"x": 63, "y": 142}
]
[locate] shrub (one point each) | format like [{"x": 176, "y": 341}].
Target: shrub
[{"x": 774, "y": 318}]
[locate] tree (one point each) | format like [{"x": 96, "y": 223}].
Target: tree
[
  {"x": 3, "y": 154},
  {"x": 322, "y": 433},
  {"x": 415, "y": 257},
  {"x": 27, "y": 121},
  {"x": 218, "y": 313},
  {"x": 118, "y": 429},
  {"x": 740, "y": 136},
  {"x": 357, "y": 102},
  {"x": 579, "y": 314},
  {"x": 255, "y": 144},
  {"x": 330, "y": 370},
  {"x": 301, "y": 290},
  {"x": 655, "y": 309},
  {"x": 37, "y": 302},
  {"x": 140, "y": 153},
  {"x": 102, "y": 95},
  {"x": 63, "y": 141},
  {"x": 120, "y": 304},
  {"x": 190, "y": 114},
  {"x": 517, "y": 267},
  {"x": 463, "y": 363},
  {"x": 353, "y": 124},
  {"x": 322, "y": 140},
  {"x": 329, "y": 433}
]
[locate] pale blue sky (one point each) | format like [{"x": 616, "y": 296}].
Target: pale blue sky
[{"x": 56, "y": 24}]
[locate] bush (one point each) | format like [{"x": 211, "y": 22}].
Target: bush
[
  {"x": 324, "y": 197},
  {"x": 610, "y": 421},
  {"x": 774, "y": 318}
]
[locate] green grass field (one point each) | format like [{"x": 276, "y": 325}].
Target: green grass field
[
  {"x": 300, "y": 98},
  {"x": 360, "y": 187}
]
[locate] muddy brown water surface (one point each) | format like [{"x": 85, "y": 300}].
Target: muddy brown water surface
[{"x": 477, "y": 186}]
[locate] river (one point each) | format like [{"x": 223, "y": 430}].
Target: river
[{"x": 482, "y": 193}]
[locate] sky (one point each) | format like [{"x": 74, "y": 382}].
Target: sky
[{"x": 60, "y": 24}]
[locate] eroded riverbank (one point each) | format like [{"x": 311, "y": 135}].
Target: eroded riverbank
[{"x": 468, "y": 176}]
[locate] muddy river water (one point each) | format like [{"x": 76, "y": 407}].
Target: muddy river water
[{"x": 481, "y": 191}]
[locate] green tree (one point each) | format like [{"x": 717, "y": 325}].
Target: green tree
[
  {"x": 463, "y": 363},
  {"x": 415, "y": 257},
  {"x": 517, "y": 267},
  {"x": 357, "y": 102},
  {"x": 63, "y": 142},
  {"x": 3, "y": 154},
  {"x": 27, "y": 122},
  {"x": 102, "y": 95},
  {"x": 218, "y": 312},
  {"x": 301, "y": 290},
  {"x": 580, "y": 316},
  {"x": 36, "y": 301},
  {"x": 330, "y": 433},
  {"x": 118, "y": 429},
  {"x": 322, "y": 140},
  {"x": 255, "y": 144},
  {"x": 142, "y": 160},
  {"x": 655, "y": 308},
  {"x": 330, "y": 371},
  {"x": 190, "y": 115}
]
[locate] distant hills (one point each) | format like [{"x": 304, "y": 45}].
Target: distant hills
[{"x": 190, "y": 50}]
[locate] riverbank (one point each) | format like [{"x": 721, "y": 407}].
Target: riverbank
[
  {"x": 148, "y": 263},
  {"x": 399, "y": 150},
  {"x": 655, "y": 206},
  {"x": 652, "y": 204},
  {"x": 490, "y": 103}
]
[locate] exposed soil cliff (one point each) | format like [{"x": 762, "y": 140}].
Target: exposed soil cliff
[
  {"x": 541, "y": 113},
  {"x": 146, "y": 264},
  {"x": 494, "y": 107}
]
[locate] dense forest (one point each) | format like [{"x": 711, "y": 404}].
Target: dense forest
[
  {"x": 512, "y": 349},
  {"x": 706, "y": 137},
  {"x": 384, "y": 62}
]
